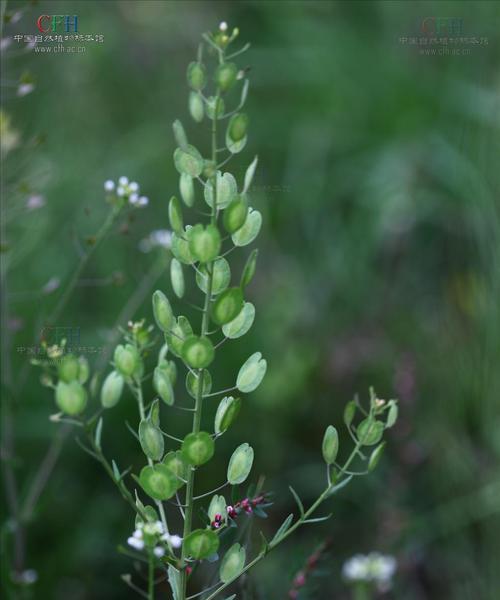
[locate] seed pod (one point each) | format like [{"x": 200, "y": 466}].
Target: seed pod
[
  {"x": 127, "y": 360},
  {"x": 217, "y": 506},
  {"x": 177, "y": 465},
  {"x": 221, "y": 276},
  {"x": 232, "y": 564},
  {"x": 188, "y": 161},
  {"x": 209, "y": 169},
  {"x": 249, "y": 268},
  {"x": 370, "y": 431},
  {"x": 186, "y": 189},
  {"x": 177, "y": 278},
  {"x": 180, "y": 134},
  {"x": 71, "y": 397},
  {"x": 241, "y": 323},
  {"x": 196, "y": 107},
  {"x": 198, "y": 448},
  {"x": 204, "y": 243},
  {"x": 151, "y": 440},
  {"x": 163, "y": 385},
  {"x": 170, "y": 369},
  {"x": 192, "y": 383},
  {"x": 112, "y": 389},
  {"x": 238, "y": 126},
  {"x": 196, "y": 75},
  {"x": 330, "y": 445},
  {"x": 179, "y": 332},
  {"x": 227, "y": 306},
  {"x": 180, "y": 247},
  {"x": 226, "y": 190},
  {"x": 83, "y": 369},
  {"x": 375, "y": 456},
  {"x": 240, "y": 464},
  {"x": 162, "y": 311},
  {"x": 68, "y": 368},
  {"x": 215, "y": 107},
  {"x": 227, "y": 411},
  {"x": 235, "y": 214},
  {"x": 158, "y": 482},
  {"x": 251, "y": 373},
  {"x": 249, "y": 230},
  {"x": 175, "y": 215},
  {"x": 201, "y": 543},
  {"x": 197, "y": 352},
  {"x": 225, "y": 76}
]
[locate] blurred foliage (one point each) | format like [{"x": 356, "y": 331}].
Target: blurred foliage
[{"x": 379, "y": 264}]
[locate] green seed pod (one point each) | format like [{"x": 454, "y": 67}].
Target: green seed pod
[
  {"x": 186, "y": 189},
  {"x": 240, "y": 464},
  {"x": 177, "y": 278},
  {"x": 180, "y": 134},
  {"x": 392, "y": 414},
  {"x": 192, "y": 383},
  {"x": 375, "y": 456},
  {"x": 227, "y": 306},
  {"x": 127, "y": 360},
  {"x": 162, "y": 311},
  {"x": 204, "y": 243},
  {"x": 197, "y": 352},
  {"x": 68, "y": 368},
  {"x": 251, "y": 373},
  {"x": 151, "y": 440},
  {"x": 112, "y": 389},
  {"x": 71, "y": 397},
  {"x": 235, "y": 214},
  {"x": 349, "y": 412},
  {"x": 227, "y": 411},
  {"x": 241, "y": 323},
  {"x": 175, "y": 215},
  {"x": 170, "y": 369},
  {"x": 250, "y": 229},
  {"x": 188, "y": 161},
  {"x": 196, "y": 107},
  {"x": 177, "y": 465},
  {"x": 179, "y": 332},
  {"x": 226, "y": 187},
  {"x": 154, "y": 413},
  {"x": 180, "y": 247},
  {"x": 330, "y": 445},
  {"x": 198, "y": 448},
  {"x": 201, "y": 543},
  {"x": 158, "y": 482},
  {"x": 217, "y": 506},
  {"x": 232, "y": 564},
  {"x": 249, "y": 268},
  {"x": 215, "y": 107},
  {"x": 83, "y": 369},
  {"x": 221, "y": 276},
  {"x": 225, "y": 76},
  {"x": 370, "y": 431},
  {"x": 163, "y": 385},
  {"x": 209, "y": 169},
  {"x": 196, "y": 75},
  {"x": 238, "y": 126}
]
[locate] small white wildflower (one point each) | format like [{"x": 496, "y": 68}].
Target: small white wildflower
[
  {"x": 374, "y": 567},
  {"x": 162, "y": 237},
  {"x": 133, "y": 198},
  {"x": 120, "y": 191},
  {"x": 109, "y": 185},
  {"x": 355, "y": 569},
  {"x": 123, "y": 180},
  {"x": 158, "y": 551},
  {"x": 176, "y": 541},
  {"x": 143, "y": 201},
  {"x": 24, "y": 89},
  {"x": 133, "y": 186},
  {"x": 137, "y": 534},
  {"x": 223, "y": 26},
  {"x": 35, "y": 201},
  {"x": 135, "y": 543}
]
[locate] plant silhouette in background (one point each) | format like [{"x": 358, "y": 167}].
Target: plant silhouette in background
[{"x": 211, "y": 541}]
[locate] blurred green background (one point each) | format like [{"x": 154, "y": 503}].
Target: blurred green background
[{"x": 379, "y": 265}]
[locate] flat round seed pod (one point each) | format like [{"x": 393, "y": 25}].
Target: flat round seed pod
[
  {"x": 127, "y": 360},
  {"x": 201, "y": 543},
  {"x": 180, "y": 247},
  {"x": 192, "y": 383},
  {"x": 188, "y": 161},
  {"x": 162, "y": 311},
  {"x": 151, "y": 440},
  {"x": 227, "y": 411},
  {"x": 68, "y": 368},
  {"x": 112, "y": 389},
  {"x": 215, "y": 107},
  {"x": 204, "y": 242},
  {"x": 249, "y": 268},
  {"x": 240, "y": 464},
  {"x": 158, "y": 482},
  {"x": 196, "y": 75},
  {"x": 181, "y": 329},
  {"x": 225, "y": 76},
  {"x": 196, "y": 106},
  {"x": 226, "y": 188},
  {"x": 238, "y": 126},
  {"x": 177, "y": 278},
  {"x": 249, "y": 230},
  {"x": 197, "y": 352},
  {"x": 186, "y": 189},
  {"x": 198, "y": 448},
  {"x": 330, "y": 446},
  {"x": 235, "y": 214},
  {"x": 175, "y": 215},
  {"x": 232, "y": 564},
  {"x": 251, "y": 373},
  {"x": 175, "y": 462},
  {"x": 220, "y": 278},
  {"x": 227, "y": 306},
  {"x": 370, "y": 431},
  {"x": 241, "y": 323},
  {"x": 217, "y": 506},
  {"x": 71, "y": 397},
  {"x": 163, "y": 385}
]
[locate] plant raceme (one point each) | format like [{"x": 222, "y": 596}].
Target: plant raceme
[{"x": 168, "y": 476}]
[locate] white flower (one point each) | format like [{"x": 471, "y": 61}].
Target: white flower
[
  {"x": 109, "y": 185},
  {"x": 175, "y": 540},
  {"x": 24, "y": 89},
  {"x": 133, "y": 198},
  {"x": 153, "y": 528},
  {"x": 223, "y": 26},
  {"x": 35, "y": 201},
  {"x": 158, "y": 551},
  {"x": 143, "y": 201},
  {"x": 123, "y": 180},
  {"x": 137, "y": 534},
  {"x": 374, "y": 567},
  {"x": 133, "y": 186},
  {"x": 120, "y": 191},
  {"x": 135, "y": 543}
]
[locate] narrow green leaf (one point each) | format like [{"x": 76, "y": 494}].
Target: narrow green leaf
[
  {"x": 250, "y": 172},
  {"x": 283, "y": 529},
  {"x": 297, "y": 500}
]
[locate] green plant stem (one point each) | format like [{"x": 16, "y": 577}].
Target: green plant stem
[
  {"x": 205, "y": 321},
  {"x": 294, "y": 527},
  {"x": 151, "y": 576}
]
